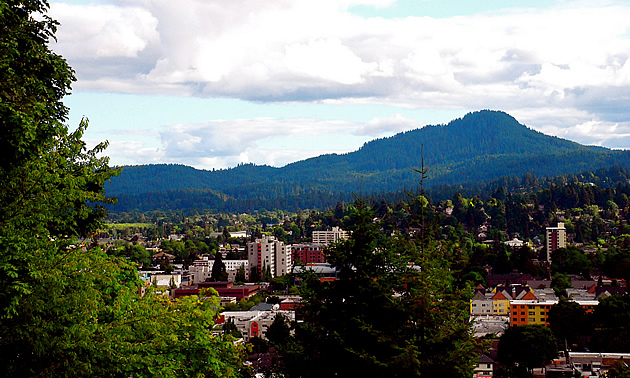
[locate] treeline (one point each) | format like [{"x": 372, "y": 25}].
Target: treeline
[
  {"x": 476, "y": 149},
  {"x": 565, "y": 191}
]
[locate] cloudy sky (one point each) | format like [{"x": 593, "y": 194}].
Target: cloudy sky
[{"x": 212, "y": 83}]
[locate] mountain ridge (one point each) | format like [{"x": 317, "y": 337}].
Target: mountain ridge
[{"x": 480, "y": 146}]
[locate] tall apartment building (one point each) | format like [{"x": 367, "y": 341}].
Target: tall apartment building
[
  {"x": 268, "y": 252},
  {"x": 556, "y": 238},
  {"x": 327, "y": 237}
]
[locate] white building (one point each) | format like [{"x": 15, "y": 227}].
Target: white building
[
  {"x": 326, "y": 237},
  {"x": 268, "y": 252},
  {"x": 202, "y": 269},
  {"x": 256, "y": 323}
]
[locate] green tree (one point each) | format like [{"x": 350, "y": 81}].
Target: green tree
[
  {"x": 619, "y": 369},
  {"x": 570, "y": 260},
  {"x": 135, "y": 253},
  {"x": 219, "y": 273},
  {"x": 611, "y": 318},
  {"x": 229, "y": 328},
  {"x": 523, "y": 348},
  {"x": 560, "y": 282},
  {"x": 66, "y": 307},
  {"x": 569, "y": 323},
  {"x": 279, "y": 331},
  {"x": 393, "y": 311},
  {"x": 240, "y": 274},
  {"x": 266, "y": 274}
]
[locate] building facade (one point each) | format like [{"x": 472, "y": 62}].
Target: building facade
[
  {"x": 201, "y": 270},
  {"x": 326, "y": 237},
  {"x": 556, "y": 238},
  {"x": 269, "y": 253},
  {"x": 307, "y": 254},
  {"x": 525, "y": 312},
  {"x": 255, "y": 323}
]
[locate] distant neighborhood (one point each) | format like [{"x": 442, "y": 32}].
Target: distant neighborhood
[{"x": 255, "y": 275}]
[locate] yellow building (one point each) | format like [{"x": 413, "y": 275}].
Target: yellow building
[{"x": 501, "y": 303}]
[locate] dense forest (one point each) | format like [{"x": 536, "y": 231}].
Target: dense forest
[{"x": 470, "y": 152}]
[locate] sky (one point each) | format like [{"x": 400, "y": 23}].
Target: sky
[{"x": 215, "y": 83}]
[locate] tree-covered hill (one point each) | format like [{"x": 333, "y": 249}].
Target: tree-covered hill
[{"x": 480, "y": 147}]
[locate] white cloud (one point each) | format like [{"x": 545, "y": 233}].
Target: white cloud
[
  {"x": 318, "y": 50},
  {"x": 226, "y": 143},
  {"x": 552, "y": 68},
  {"x": 100, "y": 32},
  {"x": 390, "y": 125}
]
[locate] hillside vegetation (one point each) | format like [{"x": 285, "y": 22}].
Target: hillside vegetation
[{"x": 478, "y": 148}]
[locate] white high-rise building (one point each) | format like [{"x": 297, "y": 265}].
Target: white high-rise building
[{"x": 268, "y": 252}]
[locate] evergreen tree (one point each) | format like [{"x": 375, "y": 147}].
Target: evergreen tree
[
  {"x": 240, "y": 274},
  {"x": 393, "y": 312},
  {"x": 219, "y": 273},
  {"x": 524, "y": 348}
]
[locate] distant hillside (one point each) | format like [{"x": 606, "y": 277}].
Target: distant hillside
[{"x": 480, "y": 147}]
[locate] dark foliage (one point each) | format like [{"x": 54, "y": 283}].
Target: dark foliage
[{"x": 469, "y": 153}]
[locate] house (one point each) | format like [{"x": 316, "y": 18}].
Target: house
[
  {"x": 480, "y": 305},
  {"x": 162, "y": 256},
  {"x": 324, "y": 271},
  {"x": 484, "y": 367},
  {"x": 514, "y": 243},
  {"x": 501, "y": 303}
]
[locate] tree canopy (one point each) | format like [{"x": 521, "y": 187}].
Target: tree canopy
[
  {"x": 526, "y": 347},
  {"x": 66, "y": 307},
  {"x": 393, "y": 312}
]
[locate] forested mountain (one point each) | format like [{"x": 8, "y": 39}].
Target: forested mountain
[{"x": 478, "y": 148}]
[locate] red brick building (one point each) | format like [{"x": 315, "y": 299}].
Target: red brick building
[
  {"x": 224, "y": 288},
  {"x": 308, "y": 254}
]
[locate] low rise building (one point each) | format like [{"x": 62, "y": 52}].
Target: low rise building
[
  {"x": 484, "y": 367},
  {"x": 327, "y": 237},
  {"x": 307, "y": 254},
  {"x": 525, "y": 312},
  {"x": 224, "y": 288},
  {"x": 255, "y": 323},
  {"x": 201, "y": 270}
]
